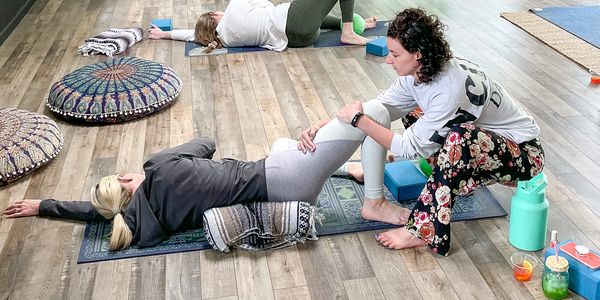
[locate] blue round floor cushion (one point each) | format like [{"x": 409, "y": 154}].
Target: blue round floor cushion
[
  {"x": 116, "y": 90},
  {"x": 27, "y": 141}
]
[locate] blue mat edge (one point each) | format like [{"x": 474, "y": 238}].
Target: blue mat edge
[{"x": 541, "y": 14}]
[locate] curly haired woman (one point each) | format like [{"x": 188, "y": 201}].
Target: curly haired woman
[{"x": 473, "y": 131}]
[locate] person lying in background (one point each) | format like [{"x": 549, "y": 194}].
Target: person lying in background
[{"x": 246, "y": 23}]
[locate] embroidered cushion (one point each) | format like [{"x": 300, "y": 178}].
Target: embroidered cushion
[
  {"x": 27, "y": 141},
  {"x": 113, "y": 91}
]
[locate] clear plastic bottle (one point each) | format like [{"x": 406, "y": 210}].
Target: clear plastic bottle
[{"x": 555, "y": 281}]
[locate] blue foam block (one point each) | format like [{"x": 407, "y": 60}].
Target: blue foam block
[
  {"x": 404, "y": 180},
  {"x": 163, "y": 24},
  {"x": 378, "y": 47},
  {"x": 582, "y": 280}
]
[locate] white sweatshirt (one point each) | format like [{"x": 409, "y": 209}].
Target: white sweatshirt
[
  {"x": 461, "y": 93},
  {"x": 249, "y": 23}
]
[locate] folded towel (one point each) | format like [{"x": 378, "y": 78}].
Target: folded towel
[
  {"x": 260, "y": 225},
  {"x": 112, "y": 41}
]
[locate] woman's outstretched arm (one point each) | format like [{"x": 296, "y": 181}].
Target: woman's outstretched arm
[
  {"x": 186, "y": 35},
  {"x": 74, "y": 210}
]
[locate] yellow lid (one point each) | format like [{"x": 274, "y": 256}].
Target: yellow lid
[{"x": 557, "y": 265}]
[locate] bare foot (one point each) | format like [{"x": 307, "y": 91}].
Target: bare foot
[
  {"x": 370, "y": 22},
  {"x": 399, "y": 239},
  {"x": 353, "y": 39},
  {"x": 383, "y": 211},
  {"x": 355, "y": 170}
]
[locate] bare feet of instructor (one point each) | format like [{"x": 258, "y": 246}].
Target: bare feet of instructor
[
  {"x": 383, "y": 211},
  {"x": 399, "y": 239}
]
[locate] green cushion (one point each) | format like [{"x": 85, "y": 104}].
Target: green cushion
[
  {"x": 27, "y": 141},
  {"x": 116, "y": 90}
]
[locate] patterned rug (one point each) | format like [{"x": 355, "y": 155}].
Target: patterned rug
[
  {"x": 566, "y": 43},
  {"x": 327, "y": 38},
  {"x": 339, "y": 201}
]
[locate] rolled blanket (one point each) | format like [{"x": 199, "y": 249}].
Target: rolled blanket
[
  {"x": 112, "y": 41},
  {"x": 260, "y": 225}
]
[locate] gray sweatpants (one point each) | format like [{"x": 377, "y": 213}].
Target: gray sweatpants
[{"x": 294, "y": 176}]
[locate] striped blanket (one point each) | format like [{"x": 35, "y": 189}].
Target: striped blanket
[
  {"x": 259, "y": 225},
  {"x": 111, "y": 41}
]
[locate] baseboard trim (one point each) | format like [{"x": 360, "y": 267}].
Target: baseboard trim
[{"x": 7, "y": 30}]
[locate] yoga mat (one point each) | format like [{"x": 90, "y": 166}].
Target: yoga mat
[
  {"x": 327, "y": 38},
  {"x": 569, "y": 45},
  {"x": 581, "y": 21},
  {"x": 339, "y": 201}
]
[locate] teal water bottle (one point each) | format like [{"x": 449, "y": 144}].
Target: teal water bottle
[{"x": 529, "y": 214}]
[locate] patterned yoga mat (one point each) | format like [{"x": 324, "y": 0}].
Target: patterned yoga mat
[
  {"x": 339, "y": 201},
  {"x": 327, "y": 38}
]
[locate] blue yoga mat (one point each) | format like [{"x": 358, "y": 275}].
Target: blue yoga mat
[
  {"x": 339, "y": 201},
  {"x": 327, "y": 38},
  {"x": 581, "y": 21}
]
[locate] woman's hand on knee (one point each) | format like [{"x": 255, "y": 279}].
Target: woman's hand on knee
[{"x": 23, "y": 208}]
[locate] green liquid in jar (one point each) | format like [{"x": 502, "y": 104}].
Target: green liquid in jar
[{"x": 555, "y": 286}]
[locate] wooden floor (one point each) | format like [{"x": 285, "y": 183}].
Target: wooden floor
[{"x": 246, "y": 101}]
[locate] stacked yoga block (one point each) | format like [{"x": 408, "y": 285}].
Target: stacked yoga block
[
  {"x": 163, "y": 24},
  {"x": 378, "y": 47},
  {"x": 404, "y": 180}
]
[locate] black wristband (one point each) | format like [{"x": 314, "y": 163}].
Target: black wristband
[{"x": 356, "y": 118}]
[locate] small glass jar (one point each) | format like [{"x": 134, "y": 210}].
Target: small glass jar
[{"x": 555, "y": 281}]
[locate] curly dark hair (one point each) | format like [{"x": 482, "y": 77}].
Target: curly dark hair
[{"x": 417, "y": 31}]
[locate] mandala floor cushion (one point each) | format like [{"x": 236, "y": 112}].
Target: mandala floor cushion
[
  {"x": 27, "y": 141},
  {"x": 113, "y": 91}
]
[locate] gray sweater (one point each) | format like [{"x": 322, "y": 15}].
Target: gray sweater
[{"x": 181, "y": 183}]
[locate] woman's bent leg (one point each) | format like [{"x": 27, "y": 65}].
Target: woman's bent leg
[
  {"x": 305, "y": 17},
  {"x": 331, "y": 22},
  {"x": 295, "y": 176},
  {"x": 304, "y": 20}
]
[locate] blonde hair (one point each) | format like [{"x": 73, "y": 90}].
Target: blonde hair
[
  {"x": 205, "y": 32},
  {"x": 109, "y": 198}
]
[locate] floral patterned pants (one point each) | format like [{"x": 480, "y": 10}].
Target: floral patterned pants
[{"x": 471, "y": 157}]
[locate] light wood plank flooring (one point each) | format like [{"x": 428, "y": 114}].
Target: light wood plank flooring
[{"x": 246, "y": 101}]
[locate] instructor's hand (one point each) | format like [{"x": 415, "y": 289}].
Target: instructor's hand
[
  {"x": 23, "y": 208},
  {"x": 306, "y": 139},
  {"x": 349, "y": 111}
]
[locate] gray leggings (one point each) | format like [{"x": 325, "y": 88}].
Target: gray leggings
[
  {"x": 305, "y": 17},
  {"x": 294, "y": 176}
]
